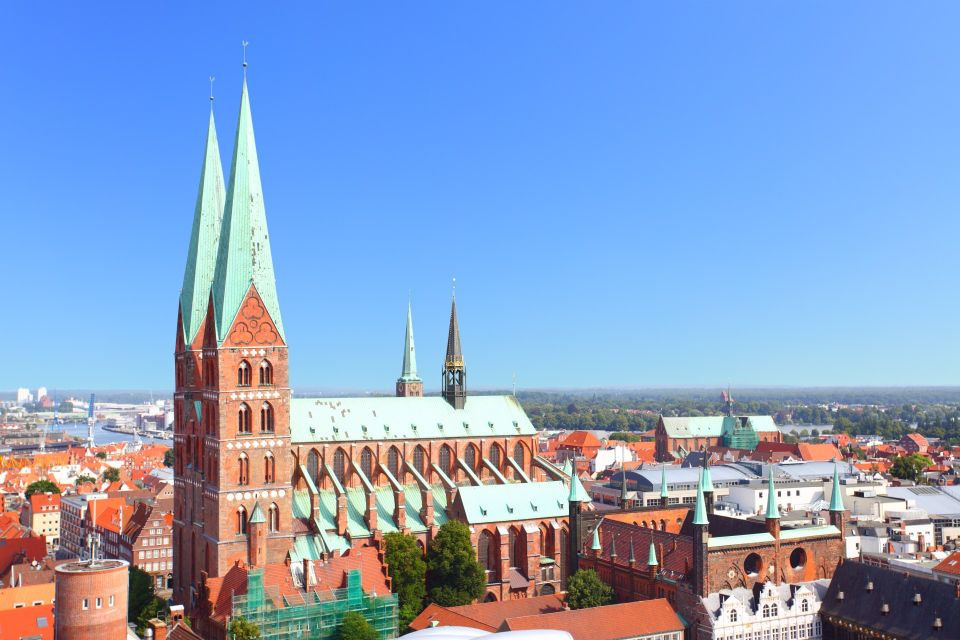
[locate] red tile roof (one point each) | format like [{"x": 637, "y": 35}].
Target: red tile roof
[
  {"x": 27, "y": 622},
  {"x": 612, "y": 622},
  {"x": 487, "y": 616},
  {"x": 580, "y": 439},
  {"x": 819, "y": 452},
  {"x": 950, "y": 564}
]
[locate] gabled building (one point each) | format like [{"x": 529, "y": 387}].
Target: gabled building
[
  {"x": 678, "y": 436},
  {"x": 789, "y": 611}
]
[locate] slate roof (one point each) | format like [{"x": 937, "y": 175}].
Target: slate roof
[
  {"x": 385, "y": 419},
  {"x": 896, "y": 589}
]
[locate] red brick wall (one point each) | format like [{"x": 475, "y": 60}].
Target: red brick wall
[{"x": 106, "y": 623}]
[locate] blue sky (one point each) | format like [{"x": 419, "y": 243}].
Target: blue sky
[{"x": 628, "y": 194}]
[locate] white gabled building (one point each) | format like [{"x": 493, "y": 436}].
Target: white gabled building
[{"x": 768, "y": 612}]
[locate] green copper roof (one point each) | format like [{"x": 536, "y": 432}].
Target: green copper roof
[
  {"x": 596, "y": 538},
  {"x": 256, "y": 516},
  {"x": 567, "y": 468},
  {"x": 706, "y": 482},
  {"x": 836, "y": 499},
  {"x": 700, "y": 509},
  {"x": 512, "y": 502},
  {"x": 244, "y": 256},
  {"x": 204, "y": 239},
  {"x": 714, "y": 426},
  {"x": 809, "y": 532},
  {"x": 577, "y": 492},
  {"x": 740, "y": 540},
  {"x": 652, "y": 556},
  {"x": 409, "y": 373},
  {"x": 772, "y": 510}
]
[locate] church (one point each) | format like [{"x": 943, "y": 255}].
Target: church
[{"x": 262, "y": 477}]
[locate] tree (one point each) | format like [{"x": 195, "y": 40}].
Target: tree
[
  {"x": 355, "y": 627},
  {"x": 242, "y": 629},
  {"x": 454, "y": 577},
  {"x": 408, "y": 572},
  {"x": 101, "y": 454},
  {"x": 111, "y": 475},
  {"x": 84, "y": 478},
  {"x": 910, "y": 467},
  {"x": 585, "y": 589},
  {"x": 141, "y": 592},
  {"x": 168, "y": 458},
  {"x": 66, "y": 407},
  {"x": 152, "y": 609},
  {"x": 41, "y": 486},
  {"x": 815, "y": 433}
]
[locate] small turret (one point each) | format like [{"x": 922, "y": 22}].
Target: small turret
[
  {"x": 409, "y": 385},
  {"x": 836, "y": 500},
  {"x": 663, "y": 486},
  {"x": 773, "y": 512},
  {"x": 575, "y": 501}
]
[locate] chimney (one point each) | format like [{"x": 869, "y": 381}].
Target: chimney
[
  {"x": 159, "y": 628},
  {"x": 309, "y": 578}
]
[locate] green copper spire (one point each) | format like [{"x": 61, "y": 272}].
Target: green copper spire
[
  {"x": 256, "y": 516},
  {"x": 652, "y": 557},
  {"x": 663, "y": 481},
  {"x": 409, "y": 373},
  {"x": 706, "y": 483},
  {"x": 772, "y": 510},
  {"x": 244, "y": 253},
  {"x": 596, "y": 538},
  {"x": 202, "y": 253},
  {"x": 567, "y": 468},
  {"x": 700, "y": 509},
  {"x": 836, "y": 500},
  {"x": 613, "y": 547},
  {"x": 633, "y": 557},
  {"x": 577, "y": 492}
]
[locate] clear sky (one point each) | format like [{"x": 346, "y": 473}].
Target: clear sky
[{"x": 628, "y": 194}]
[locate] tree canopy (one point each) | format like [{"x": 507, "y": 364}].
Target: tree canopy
[
  {"x": 585, "y": 589},
  {"x": 242, "y": 629},
  {"x": 355, "y": 627},
  {"x": 141, "y": 592},
  {"x": 41, "y": 486},
  {"x": 408, "y": 572},
  {"x": 910, "y": 467},
  {"x": 168, "y": 458},
  {"x": 454, "y": 577},
  {"x": 111, "y": 475}
]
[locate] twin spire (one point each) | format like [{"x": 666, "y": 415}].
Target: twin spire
[{"x": 229, "y": 246}]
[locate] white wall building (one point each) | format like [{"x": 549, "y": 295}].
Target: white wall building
[
  {"x": 788, "y": 612},
  {"x": 752, "y": 498},
  {"x": 41, "y": 392},
  {"x": 24, "y": 395},
  {"x": 610, "y": 457}
]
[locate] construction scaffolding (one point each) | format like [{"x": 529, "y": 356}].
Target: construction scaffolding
[{"x": 313, "y": 615}]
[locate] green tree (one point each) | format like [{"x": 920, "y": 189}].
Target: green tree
[
  {"x": 41, "y": 486},
  {"x": 141, "y": 592},
  {"x": 242, "y": 629},
  {"x": 168, "y": 458},
  {"x": 910, "y": 467},
  {"x": 101, "y": 454},
  {"x": 454, "y": 577},
  {"x": 408, "y": 573},
  {"x": 84, "y": 478},
  {"x": 66, "y": 407},
  {"x": 586, "y": 589},
  {"x": 111, "y": 475},
  {"x": 815, "y": 433},
  {"x": 153, "y": 609},
  {"x": 355, "y": 627}
]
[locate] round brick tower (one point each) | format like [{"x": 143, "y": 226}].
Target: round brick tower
[{"x": 91, "y": 600}]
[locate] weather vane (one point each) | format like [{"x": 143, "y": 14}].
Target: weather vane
[
  {"x": 212, "y": 79},
  {"x": 245, "y": 43}
]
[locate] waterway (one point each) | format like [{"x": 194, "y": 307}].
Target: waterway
[{"x": 102, "y": 436}]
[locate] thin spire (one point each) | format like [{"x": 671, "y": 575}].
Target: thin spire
[
  {"x": 244, "y": 257},
  {"x": 454, "y": 352},
  {"x": 663, "y": 481},
  {"x": 409, "y": 372},
  {"x": 652, "y": 556},
  {"x": 577, "y": 492},
  {"x": 613, "y": 546},
  {"x": 596, "y": 538},
  {"x": 706, "y": 482},
  {"x": 204, "y": 236},
  {"x": 772, "y": 511},
  {"x": 454, "y": 369},
  {"x": 633, "y": 556},
  {"x": 836, "y": 499},
  {"x": 700, "y": 509}
]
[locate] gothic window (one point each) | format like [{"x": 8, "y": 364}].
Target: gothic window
[
  {"x": 393, "y": 463},
  {"x": 512, "y": 547},
  {"x": 244, "y": 418},
  {"x": 244, "y": 470},
  {"x": 486, "y": 554},
  {"x": 733, "y": 615},
  {"x": 663, "y": 525},
  {"x": 313, "y": 466},
  {"x": 274, "y": 517},
  {"x": 471, "y": 457},
  {"x": 545, "y": 550},
  {"x": 269, "y": 468},
  {"x": 241, "y": 521},
  {"x": 366, "y": 463},
  {"x": 418, "y": 459},
  {"x": 340, "y": 465},
  {"x": 446, "y": 457},
  {"x": 243, "y": 374},
  {"x": 266, "y": 417},
  {"x": 495, "y": 456},
  {"x": 518, "y": 454},
  {"x": 564, "y": 545},
  {"x": 266, "y": 373}
]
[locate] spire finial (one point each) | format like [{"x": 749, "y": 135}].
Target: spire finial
[
  {"x": 454, "y": 287},
  {"x": 245, "y": 43},
  {"x": 212, "y": 80}
]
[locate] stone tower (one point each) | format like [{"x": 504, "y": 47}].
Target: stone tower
[{"x": 454, "y": 370}]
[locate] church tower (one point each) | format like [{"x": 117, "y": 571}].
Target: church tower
[
  {"x": 242, "y": 462},
  {"x": 409, "y": 385},
  {"x": 454, "y": 371},
  {"x": 192, "y": 321}
]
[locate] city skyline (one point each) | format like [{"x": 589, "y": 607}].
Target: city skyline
[{"x": 585, "y": 233}]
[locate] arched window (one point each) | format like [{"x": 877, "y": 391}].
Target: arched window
[
  {"x": 446, "y": 458},
  {"x": 313, "y": 466},
  {"x": 471, "y": 457},
  {"x": 393, "y": 463},
  {"x": 512, "y": 547},
  {"x": 564, "y": 542},
  {"x": 269, "y": 468},
  {"x": 773, "y": 610},
  {"x": 546, "y": 549},
  {"x": 766, "y": 611},
  {"x": 805, "y": 606},
  {"x": 340, "y": 465},
  {"x": 653, "y": 525},
  {"x": 274, "y": 517},
  {"x": 663, "y": 525},
  {"x": 733, "y": 615},
  {"x": 266, "y": 417},
  {"x": 495, "y": 456},
  {"x": 243, "y": 418},
  {"x": 243, "y": 374},
  {"x": 520, "y": 553},
  {"x": 419, "y": 456},
  {"x": 244, "y": 470},
  {"x": 366, "y": 463},
  {"x": 266, "y": 373},
  {"x": 241, "y": 521},
  {"x": 487, "y": 554},
  {"x": 518, "y": 454}
]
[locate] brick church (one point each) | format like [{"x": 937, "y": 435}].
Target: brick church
[{"x": 263, "y": 478}]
